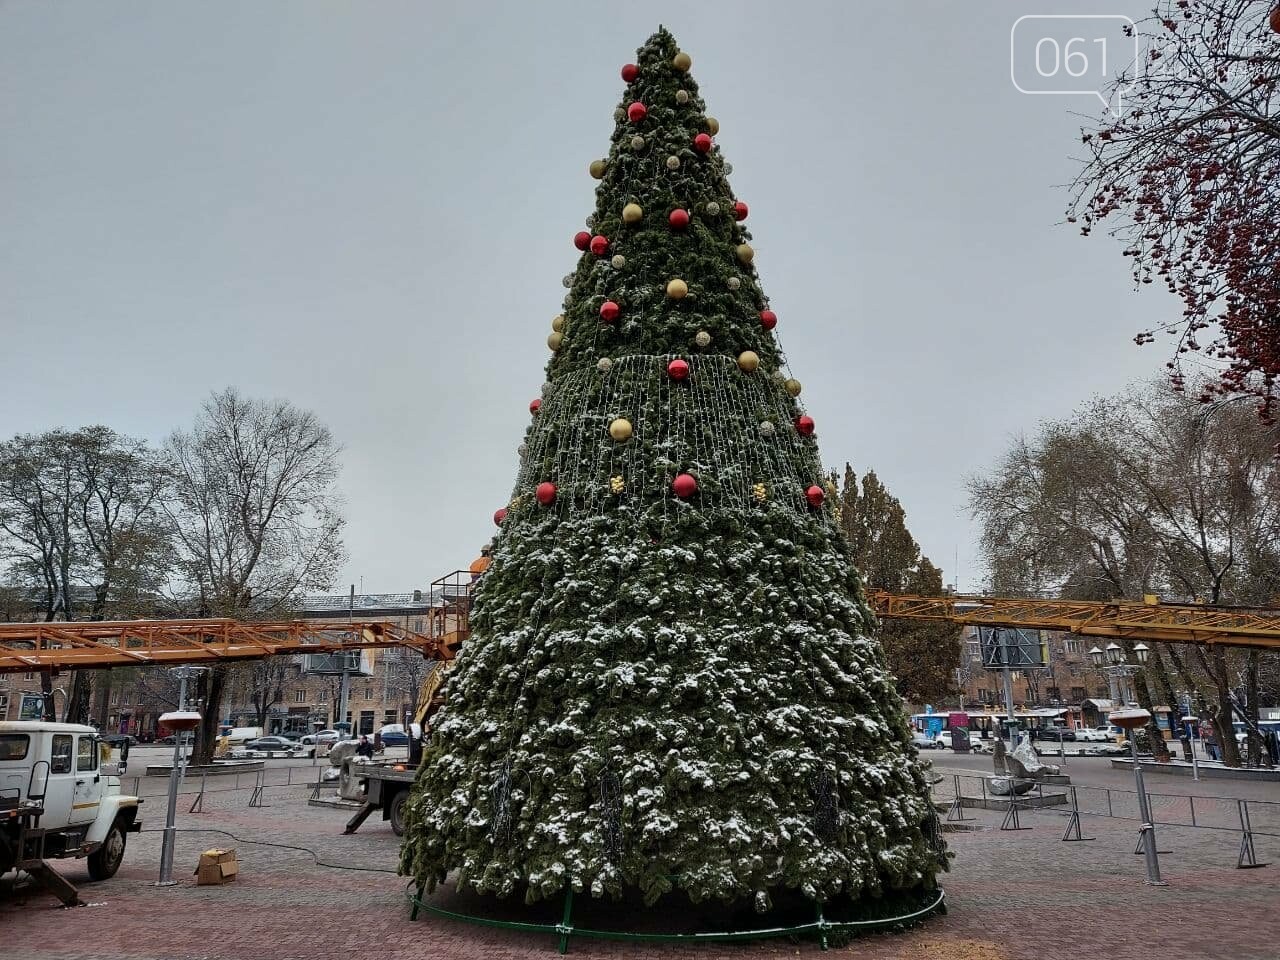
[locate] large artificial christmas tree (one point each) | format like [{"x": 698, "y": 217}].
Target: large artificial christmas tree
[{"x": 669, "y": 684}]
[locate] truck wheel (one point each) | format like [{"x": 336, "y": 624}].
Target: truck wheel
[
  {"x": 105, "y": 861},
  {"x": 396, "y": 814}
]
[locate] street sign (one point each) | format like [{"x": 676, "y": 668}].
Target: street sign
[{"x": 1009, "y": 648}]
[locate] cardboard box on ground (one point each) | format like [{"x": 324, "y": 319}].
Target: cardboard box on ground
[{"x": 216, "y": 866}]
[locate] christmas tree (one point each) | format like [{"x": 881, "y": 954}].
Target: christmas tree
[{"x": 669, "y": 684}]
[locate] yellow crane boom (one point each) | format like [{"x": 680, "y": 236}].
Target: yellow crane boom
[
  {"x": 80, "y": 645},
  {"x": 1117, "y": 619}
]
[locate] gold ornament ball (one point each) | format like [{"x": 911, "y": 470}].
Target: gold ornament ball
[
  {"x": 632, "y": 213},
  {"x": 713, "y": 126},
  {"x": 673, "y": 162},
  {"x": 618, "y": 261},
  {"x": 702, "y": 338},
  {"x": 682, "y": 97},
  {"x": 677, "y": 289},
  {"x": 748, "y": 360},
  {"x": 760, "y": 492},
  {"x": 554, "y": 339},
  {"x": 792, "y": 387},
  {"x": 619, "y": 114},
  {"x": 620, "y": 429},
  {"x": 734, "y": 283},
  {"x": 682, "y": 61},
  {"x": 637, "y": 143},
  {"x": 713, "y": 209},
  {"x": 745, "y": 253},
  {"x": 604, "y": 364},
  {"x": 598, "y": 168},
  {"x": 557, "y": 323},
  {"x": 617, "y": 484}
]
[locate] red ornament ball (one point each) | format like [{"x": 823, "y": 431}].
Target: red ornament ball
[
  {"x": 546, "y": 493},
  {"x": 739, "y": 211},
  {"x": 679, "y": 219},
  {"x": 535, "y": 405},
  {"x": 637, "y": 112},
  {"x": 684, "y": 486},
  {"x": 499, "y": 515},
  {"x": 629, "y": 72},
  {"x": 702, "y": 143},
  {"x": 599, "y": 245},
  {"x": 582, "y": 240},
  {"x": 768, "y": 319},
  {"x": 678, "y": 369},
  {"x": 804, "y": 426},
  {"x": 815, "y": 496},
  {"x": 1274, "y": 20},
  {"x": 609, "y": 311}
]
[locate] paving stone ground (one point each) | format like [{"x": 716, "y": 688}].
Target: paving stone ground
[{"x": 1012, "y": 895}]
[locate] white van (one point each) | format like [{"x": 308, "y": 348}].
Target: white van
[{"x": 238, "y": 736}]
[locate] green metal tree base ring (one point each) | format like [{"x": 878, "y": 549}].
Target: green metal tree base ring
[{"x": 820, "y": 928}]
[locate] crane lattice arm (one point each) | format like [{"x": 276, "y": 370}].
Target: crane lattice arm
[
  {"x": 89, "y": 644},
  {"x": 119, "y": 643},
  {"x": 1118, "y": 619}
]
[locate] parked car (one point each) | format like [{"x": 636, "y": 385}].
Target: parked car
[
  {"x": 272, "y": 744},
  {"x": 1066, "y": 734},
  {"x": 393, "y": 734},
  {"x": 942, "y": 741},
  {"x": 1092, "y": 735},
  {"x": 310, "y": 741},
  {"x": 923, "y": 741}
]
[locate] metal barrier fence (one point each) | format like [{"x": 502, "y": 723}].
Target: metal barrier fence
[
  {"x": 198, "y": 784},
  {"x": 1247, "y": 819}
]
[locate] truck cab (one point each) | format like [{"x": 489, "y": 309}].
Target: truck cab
[{"x": 59, "y": 799}]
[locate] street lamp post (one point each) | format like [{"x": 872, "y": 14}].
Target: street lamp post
[
  {"x": 1187, "y": 722},
  {"x": 180, "y": 721},
  {"x": 1131, "y": 720}
]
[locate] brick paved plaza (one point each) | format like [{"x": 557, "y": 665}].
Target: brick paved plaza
[{"x": 1012, "y": 896}]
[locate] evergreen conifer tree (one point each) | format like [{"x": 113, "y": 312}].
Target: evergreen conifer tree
[{"x": 668, "y": 684}]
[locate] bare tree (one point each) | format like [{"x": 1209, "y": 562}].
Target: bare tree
[
  {"x": 1149, "y": 492},
  {"x": 406, "y": 671},
  {"x": 81, "y": 509},
  {"x": 255, "y": 514},
  {"x": 262, "y": 683},
  {"x": 1189, "y": 178}
]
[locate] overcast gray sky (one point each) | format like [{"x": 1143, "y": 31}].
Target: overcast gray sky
[{"x": 367, "y": 208}]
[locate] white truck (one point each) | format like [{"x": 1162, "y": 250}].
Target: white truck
[{"x": 58, "y": 799}]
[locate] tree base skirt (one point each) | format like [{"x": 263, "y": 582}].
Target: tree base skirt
[{"x": 794, "y": 916}]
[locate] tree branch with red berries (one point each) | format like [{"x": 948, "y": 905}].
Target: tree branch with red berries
[{"x": 1188, "y": 178}]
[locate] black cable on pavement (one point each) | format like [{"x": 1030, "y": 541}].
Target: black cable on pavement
[{"x": 283, "y": 846}]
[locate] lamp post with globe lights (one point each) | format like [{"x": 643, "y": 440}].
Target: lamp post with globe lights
[{"x": 1117, "y": 669}]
